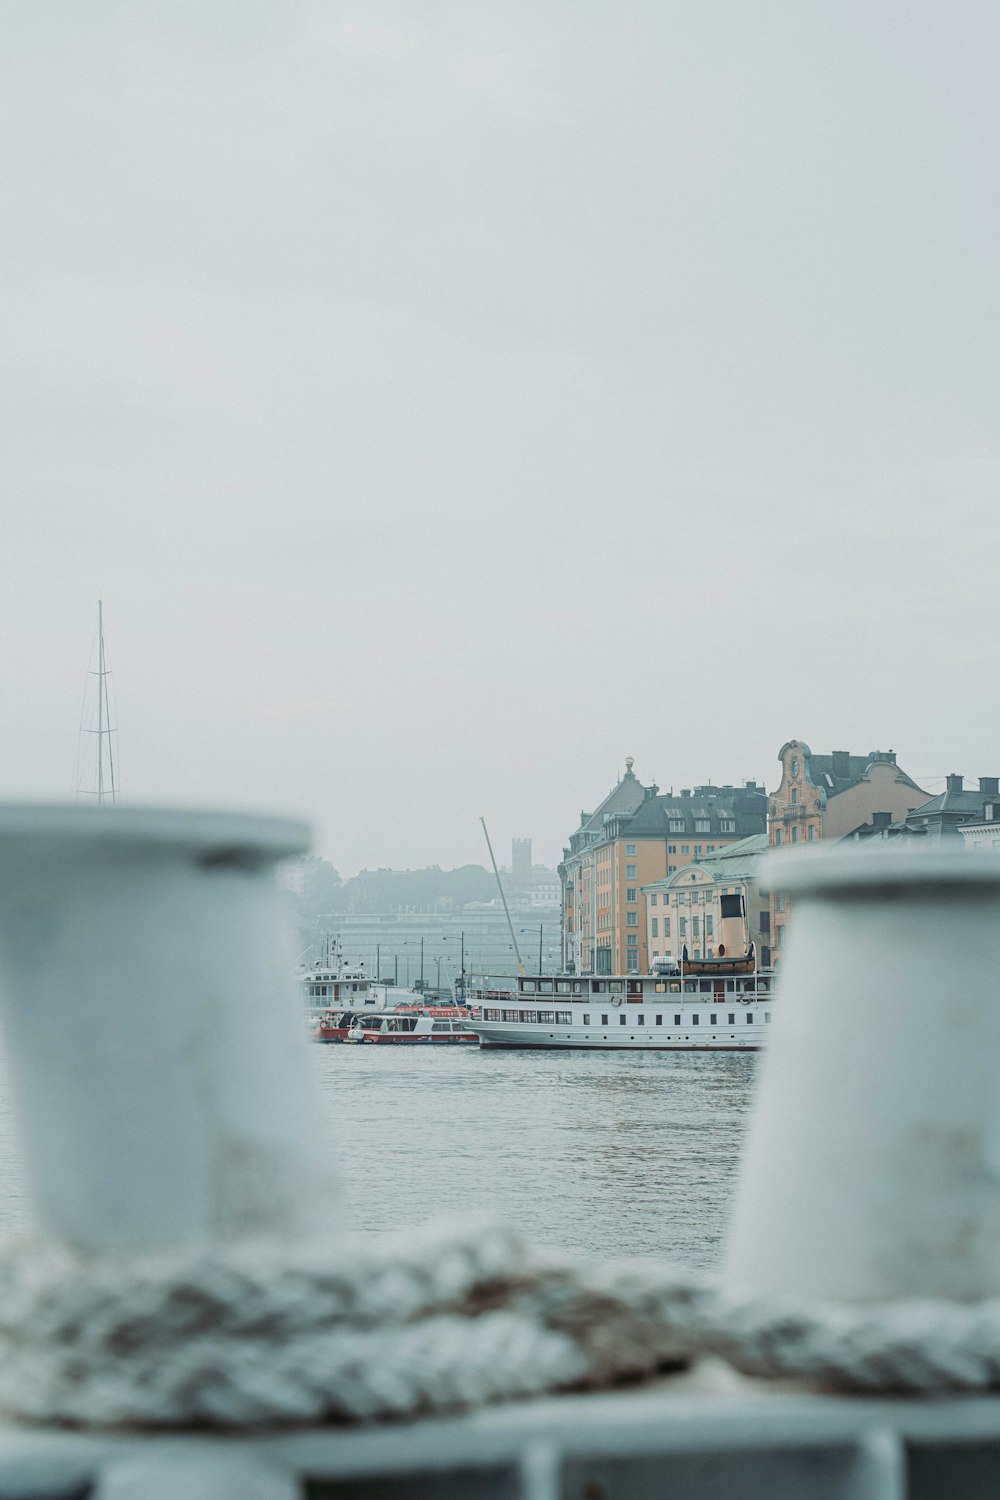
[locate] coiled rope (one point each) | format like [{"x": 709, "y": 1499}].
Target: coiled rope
[{"x": 442, "y": 1318}]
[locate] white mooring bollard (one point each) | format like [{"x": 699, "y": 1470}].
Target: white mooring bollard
[
  {"x": 156, "y": 1052},
  {"x": 872, "y": 1168}
]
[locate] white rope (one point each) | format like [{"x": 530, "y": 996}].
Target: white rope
[{"x": 447, "y": 1317}]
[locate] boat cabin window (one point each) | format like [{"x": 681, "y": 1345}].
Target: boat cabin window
[
  {"x": 677, "y": 1020},
  {"x": 661, "y": 988},
  {"x": 545, "y": 986},
  {"x": 623, "y": 1020},
  {"x": 695, "y": 1019},
  {"x": 440, "y": 1025},
  {"x": 576, "y": 987},
  {"x": 599, "y": 986},
  {"x": 659, "y": 1019},
  {"x": 641, "y": 1020},
  {"x": 749, "y": 1017},
  {"x": 510, "y": 1015},
  {"x": 604, "y": 1020},
  {"x": 675, "y": 989},
  {"x": 562, "y": 986},
  {"x": 732, "y": 1019},
  {"x": 690, "y": 988},
  {"x": 564, "y": 1017},
  {"x": 712, "y": 1020},
  {"x": 528, "y": 986},
  {"x": 767, "y": 1015},
  {"x": 586, "y": 1019},
  {"x": 705, "y": 986},
  {"x": 764, "y": 985},
  {"x": 546, "y": 1018}
]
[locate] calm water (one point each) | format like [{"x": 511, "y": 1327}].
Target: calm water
[{"x": 601, "y": 1152}]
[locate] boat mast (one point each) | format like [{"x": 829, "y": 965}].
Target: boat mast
[{"x": 503, "y": 898}]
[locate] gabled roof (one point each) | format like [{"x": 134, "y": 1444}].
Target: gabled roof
[{"x": 625, "y": 797}]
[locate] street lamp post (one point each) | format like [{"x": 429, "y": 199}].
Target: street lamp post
[{"x": 541, "y": 928}]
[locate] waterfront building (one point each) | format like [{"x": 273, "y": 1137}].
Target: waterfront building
[
  {"x": 636, "y": 837},
  {"x": 685, "y": 908},
  {"x": 833, "y": 796}
]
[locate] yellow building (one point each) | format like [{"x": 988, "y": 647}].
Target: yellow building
[{"x": 637, "y": 837}]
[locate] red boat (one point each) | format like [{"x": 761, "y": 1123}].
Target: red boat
[{"x": 404, "y": 1025}]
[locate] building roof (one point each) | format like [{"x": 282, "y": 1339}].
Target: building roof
[
  {"x": 839, "y": 771},
  {"x": 624, "y": 797}
]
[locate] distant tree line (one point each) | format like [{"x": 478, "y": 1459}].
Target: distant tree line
[{"x": 431, "y": 889}]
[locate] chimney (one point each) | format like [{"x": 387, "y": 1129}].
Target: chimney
[
  {"x": 841, "y": 764},
  {"x": 955, "y": 782},
  {"x": 989, "y": 786}
]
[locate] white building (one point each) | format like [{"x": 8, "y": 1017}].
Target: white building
[{"x": 685, "y": 909}]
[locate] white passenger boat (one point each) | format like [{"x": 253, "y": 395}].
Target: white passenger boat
[
  {"x": 718, "y": 1004},
  {"x": 657, "y": 1012},
  {"x": 332, "y": 984}
]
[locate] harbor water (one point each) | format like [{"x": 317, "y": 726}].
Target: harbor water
[{"x": 603, "y": 1153}]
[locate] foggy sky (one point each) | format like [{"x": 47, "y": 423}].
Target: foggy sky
[{"x": 451, "y": 399}]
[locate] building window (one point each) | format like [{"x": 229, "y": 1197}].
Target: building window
[
  {"x": 795, "y": 835},
  {"x": 676, "y": 825},
  {"x": 777, "y": 836},
  {"x": 695, "y": 927},
  {"x": 795, "y": 795},
  {"x": 629, "y": 848},
  {"x": 709, "y": 924},
  {"x": 630, "y": 893},
  {"x": 630, "y": 872},
  {"x": 811, "y": 832},
  {"x": 683, "y": 925},
  {"x": 671, "y": 869},
  {"x": 632, "y": 919},
  {"x": 666, "y": 926},
  {"x": 780, "y": 901},
  {"x": 727, "y": 825},
  {"x": 671, "y": 848},
  {"x": 697, "y": 850},
  {"x": 685, "y": 848},
  {"x": 655, "y": 927},
  {"x": 652, "y": 899}
]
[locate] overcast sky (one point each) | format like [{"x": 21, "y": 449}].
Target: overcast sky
[{"x": 449, "y": 400}]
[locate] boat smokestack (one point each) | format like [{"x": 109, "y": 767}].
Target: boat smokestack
[{"x": 734, "y": 940}]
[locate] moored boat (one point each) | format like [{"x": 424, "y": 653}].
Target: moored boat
[
  {"x": 404, "y": 1025},
  {"x": 723, "y": 1003}
]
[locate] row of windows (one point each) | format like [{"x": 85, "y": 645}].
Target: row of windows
[
  {"x": 565, "y": 1018},
  {"x": 810, "y": 834},
  {"x": 579, "y": 987}
]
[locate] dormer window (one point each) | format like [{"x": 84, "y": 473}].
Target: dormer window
[
  {"x": 676, "y": 825},
  {"x": 702, "y": 825}
]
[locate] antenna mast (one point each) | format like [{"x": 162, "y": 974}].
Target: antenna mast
[{"x": 106, "y": 789}]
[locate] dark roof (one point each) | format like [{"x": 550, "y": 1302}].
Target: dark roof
[
  {"x": 623, "y": 798},
  {"x": 653, "y": 818},
  {"x": 964, "y": 805}
]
